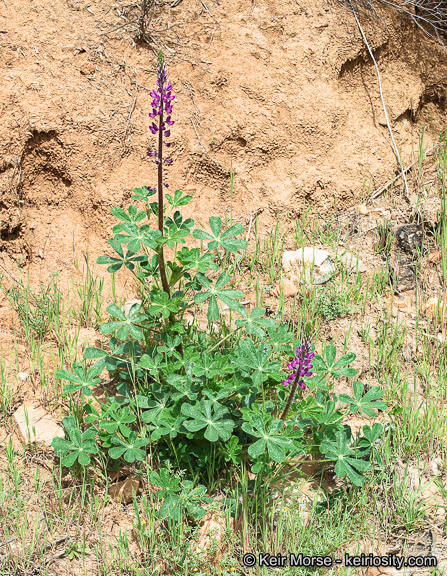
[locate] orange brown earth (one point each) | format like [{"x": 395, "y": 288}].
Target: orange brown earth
[{"x": 283, "y": 91}]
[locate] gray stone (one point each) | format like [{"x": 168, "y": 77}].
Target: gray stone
[
  {"x": 410, "y": 238},
  {"x": 35, "y": 426},
  {"x": 402, "y": 273}
]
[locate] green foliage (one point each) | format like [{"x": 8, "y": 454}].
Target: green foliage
[
  {"x": 331, "y": 303},
  {"x": 199, "y": 404},
  {"x": 37, "y": 309},
  {"x": 187, "y": 399}
]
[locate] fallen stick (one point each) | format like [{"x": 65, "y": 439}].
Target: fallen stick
[{"x": 382, "y": 189}]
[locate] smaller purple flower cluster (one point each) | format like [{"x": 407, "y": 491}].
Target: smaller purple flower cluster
[{"x": 300, "y": 365}]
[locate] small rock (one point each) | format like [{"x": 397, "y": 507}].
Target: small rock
[
  {"x": 34, "y": 425},
  {"x": 362, "y": 209},
  {"x": 435, "y": 307},
  {"x": 128, "y": 305},
  {"x": 435, "y": 257},
  {"x": 352, "y": 263},
  {"x": 309, "y": 265},
  {"x": 410, "y": 238},
  {"x": 22, "y": 376},
  {"x": 87, "y": 68},
  {"x": 124, "y": 491},
  {"x": 402, "y": 273},
  {"x": 289, "y": 289},
  {"x": 436, "y": 466}
]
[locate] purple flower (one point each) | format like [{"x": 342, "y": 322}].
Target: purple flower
[{"x": 300, "y": 365}]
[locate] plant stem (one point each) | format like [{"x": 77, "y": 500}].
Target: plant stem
[
  {"x": 292, "y": 394},
  {"x": 161, "y": 258}
]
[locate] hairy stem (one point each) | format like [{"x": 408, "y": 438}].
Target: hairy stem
[
  {"x": 292, "y": 395},
  {"x": 161, "y": 258}
]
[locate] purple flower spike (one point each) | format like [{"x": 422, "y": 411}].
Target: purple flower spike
[{"x": 301, "y": 361}]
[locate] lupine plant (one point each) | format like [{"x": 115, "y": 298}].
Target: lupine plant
[{"x": 212, "y": 403}]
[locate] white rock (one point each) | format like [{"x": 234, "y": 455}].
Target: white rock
[
  {"x": 22, "y": 376},
  {"x": 34, "y": 425},
  {"x": 436, "y": 466},
  {"x": 128, "y": 305},
  {"x": 308, "y": 264}
]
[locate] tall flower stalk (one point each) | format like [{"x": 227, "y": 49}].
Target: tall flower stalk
[
  {"x": 162, "y": 103},
  {"x": 301, "y": 368}
]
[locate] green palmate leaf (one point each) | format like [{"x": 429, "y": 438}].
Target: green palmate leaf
[
  {"x": 171, "y": 344},
  {"x": 82, "y": 380},
  {"x": 127, "y": 260},
  {"x": 256, "y": 360},
  {"x": 135, "y": 236},
  {"x": 177, "y": 219},
  {"x": 132, "y": 217},
  {"x": 117, "y": 419},
  {"x": 130, "y": 448},
  {"x": 327, "y": 366},
  {"x": 193, "y": 259},
  {"x": 175, "y": 235},
  {"x": 156, "y": 404},
  {"x": 228, "y": 296},
  {"x": 208, "y": 415},
  {"x": 368, "y": 404},
  {"x": 143, "y": 193},
  {"x": 126, "y": 325},
  {"x": 78, "y": 447},
  {"x": 164, "y": 305},
  {"x": 151, "y": 364},
  {"x": 255, "y": 323},
  {"x": 166, "y": 424},
  {"x": 204, "y": 366},
  {"x": 371, "y": 435},
  {"x": 179, "y": 199},
  {"x": 164, "y": 480},
  {"x": 232, "y": 450},
  {"x": 271, "y": 439},
  {"x": 226, "y": 240},
  {"x": 280, "y": 338},
  {"x": 345, "y": 462}
]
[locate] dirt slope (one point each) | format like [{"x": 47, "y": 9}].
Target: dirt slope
[{"x": 282, "y": 90}]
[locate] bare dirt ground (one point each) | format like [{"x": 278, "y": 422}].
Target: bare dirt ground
[{"x": 285, "y": 92}]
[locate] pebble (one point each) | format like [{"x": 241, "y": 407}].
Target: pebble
[
  {"x": 363, "y": 210},
  {"x": 410, "y": 238}
]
